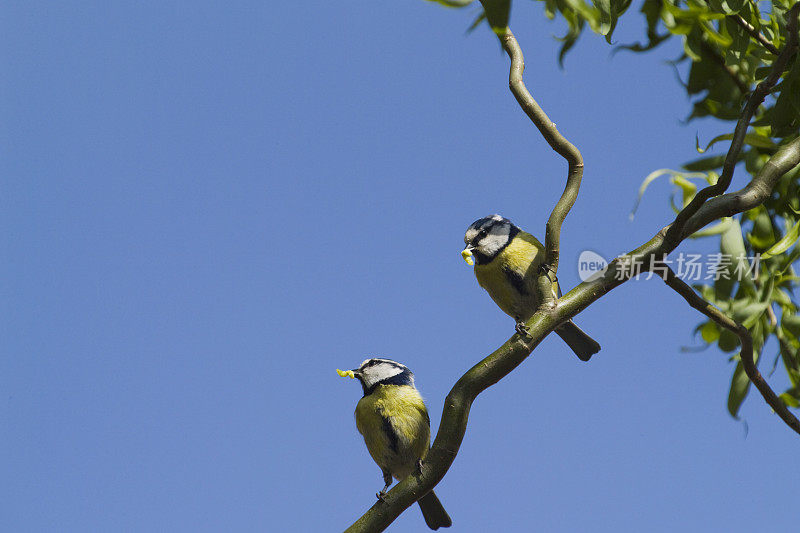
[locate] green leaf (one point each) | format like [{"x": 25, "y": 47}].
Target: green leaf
[
  {"x": 780, "y": 297},
  {"x": 477, "y": 22},
  {"x": 791, "y": 85},
  {"x": 726, "y": 6},
  {"x": 762, "y": 235},
  {"x": 789, "y": 400},
  {"x": 766, "y": 291},
  {"x": 716, "y": 229},
  {"x": 786, "y": 261},
  {"x": 794, "y": 375},
  {"x": 706, "y": 292},
  {"x": 785, "y": 243},
  {"x": 784, "y": 118},
  {"x": 790, "y": 363},
  {"x": 689, "y": 189},
  {"x": 728, "y": 341},
  {"x": 497, "y": 13},
  {"x": 694, "y": 13},
  {"x": 733, "y": 6},
  {"x": 693, "y": 45},
  {"x": 655, "y": 40},
  {"x": 705, "y": 163},
  {"x": 650, "y": 178},
  {"x": 740, "y": 384},
  {"x": 731, "y": 242},
  {"x": 604, "y": 7},
  {"x": 574, "y": 27},
  {"x": 618, "y": 7},
  {"x": 715, "y": 36},
  {"x": 736, "y": 49},
  {"x": 732, "y": 245},
  {"x": 753, "y": 312},
  {"x": 791, "y": 323},
  {"x": 710, "y": 332},
  {"x": 753, "y": 139},
  {"x": 550, "y": 9}
]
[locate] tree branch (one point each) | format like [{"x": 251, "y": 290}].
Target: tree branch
[
  {"x": 755, "y": 34},
  {"x": 752, "y": 195},
  {"x": 753, "y": 102},
  {"x": 557, "y": 142},
  {"x": 746, "y": 355},
  {"x": 514, "y": 351},
  {"x": 497, "y": 365}
]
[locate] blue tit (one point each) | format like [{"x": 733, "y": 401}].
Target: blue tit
[
  {"x": 507, "y": 261},
  {"x": 394, "y": 422}
]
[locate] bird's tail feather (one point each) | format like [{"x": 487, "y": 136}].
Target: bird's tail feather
[
  {"x": 581, "y": 343},
  {"x": 433, "y": 512}
]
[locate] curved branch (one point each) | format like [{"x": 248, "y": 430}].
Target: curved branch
[
  {"x": 493, "y": 368},
  {"x": 514, "y": 351},
  {"x": 454, "y": 425},
  {"x": 732, "y": 157},
  {"x": 746, "y": 355},
  {"x": 557, "y": 142}
]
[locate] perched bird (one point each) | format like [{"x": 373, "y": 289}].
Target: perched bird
[
  {"x": 394, "y": 422},
  {"x": 507, "y": 261}
]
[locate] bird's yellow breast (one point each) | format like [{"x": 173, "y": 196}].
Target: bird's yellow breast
[
  {"x": 510, "y": 277},
  {"x": 395, "y": 426}
]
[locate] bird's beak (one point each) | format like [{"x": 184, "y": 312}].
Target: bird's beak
[
  {"x": 466, "y": 253},
  {"x": 346, "y": 373}
]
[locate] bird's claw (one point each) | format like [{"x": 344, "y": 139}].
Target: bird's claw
[
  {"x": 381, "y": 496},
  {"x": 546, "y": 269},
  {"x": 522, "y": 329}
]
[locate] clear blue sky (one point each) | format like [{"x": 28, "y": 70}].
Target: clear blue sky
[{"x": 207, "y": 208}]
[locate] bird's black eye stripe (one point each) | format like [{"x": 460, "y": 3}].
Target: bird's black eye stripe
[{"x": 481, "y": 234}]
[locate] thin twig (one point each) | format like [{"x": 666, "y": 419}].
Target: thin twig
[
  {"x": 746, "y": 355},
  {"x": 755, "y": 34}
]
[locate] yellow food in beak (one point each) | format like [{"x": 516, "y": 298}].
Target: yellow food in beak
[
  {"x": 466, "y": 253},
  {"x": 346, "y": 373}
]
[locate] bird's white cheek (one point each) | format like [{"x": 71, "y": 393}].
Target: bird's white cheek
[
  {"x": 380, "y": 373},
  {"x": 491, "y": 244}
]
